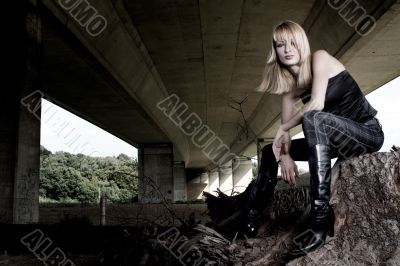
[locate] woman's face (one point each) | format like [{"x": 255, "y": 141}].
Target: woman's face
[{"x": 287, "y": 53}]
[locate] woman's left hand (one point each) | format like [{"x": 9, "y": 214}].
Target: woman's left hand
[
  {"x": 289, "y": 169},
  {"x": 282, "y": 139}
]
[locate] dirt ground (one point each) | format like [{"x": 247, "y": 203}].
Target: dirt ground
[
  {"x": 120, "y": 243},
  {"x": 31, "y": 260}
]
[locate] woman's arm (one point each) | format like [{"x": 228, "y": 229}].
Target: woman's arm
[
  {"x": 282, "y": 138},
  {"x": 320, "y": 65},
  {"x": 288, "y": 111},
  {"x": 289, "y": 170}
]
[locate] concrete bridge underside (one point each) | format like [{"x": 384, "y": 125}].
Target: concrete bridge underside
[{"x": 210, "y": 54}]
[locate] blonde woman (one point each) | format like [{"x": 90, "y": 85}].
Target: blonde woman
[{"x": 337, "y": 121}]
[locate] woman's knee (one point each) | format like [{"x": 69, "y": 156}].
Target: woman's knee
[
  {"x": 309, "y": 119},
  {"x": 315, "y": 119},
  {"x": 319, "y": 127}
]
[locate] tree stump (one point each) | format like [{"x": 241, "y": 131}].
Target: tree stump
[{"x": 365, "y": 198}]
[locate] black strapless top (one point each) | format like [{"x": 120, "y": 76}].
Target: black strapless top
[{"x": 344, "y": 98}]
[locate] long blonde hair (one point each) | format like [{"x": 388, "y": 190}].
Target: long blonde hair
[{"x": 277, "y": 79}]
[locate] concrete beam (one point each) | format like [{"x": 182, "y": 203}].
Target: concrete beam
[{"x": 126, "y": 60}]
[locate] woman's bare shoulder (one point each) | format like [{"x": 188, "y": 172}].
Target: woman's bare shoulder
[{"x": 323, "y": 59}]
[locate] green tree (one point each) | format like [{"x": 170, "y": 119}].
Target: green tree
[{"x": 69, "y": 177}]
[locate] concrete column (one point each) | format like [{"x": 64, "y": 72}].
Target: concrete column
[
  {"x": 204, "y": 179},
  {"x": 213, "y": 182},
  {"x": 180, "y": 193},
  {"x": 225, "y": 178},
  {"x": 195, "y": 188},
  {"x": 156, "y": 181},
  {"x": 197, "y": 185},
  {"x": 242, "y": 173},
  {"x": 20, "y": 114}
]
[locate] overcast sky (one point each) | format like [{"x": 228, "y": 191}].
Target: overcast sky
[{"x": 63, "y": 131}]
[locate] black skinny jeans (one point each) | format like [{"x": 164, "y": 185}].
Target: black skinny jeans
[{"x": 346, "y": 138}]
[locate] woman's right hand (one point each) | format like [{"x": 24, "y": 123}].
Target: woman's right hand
[
  {"x": 289, "y": 169},
  {"x": 281, "y": 143}
]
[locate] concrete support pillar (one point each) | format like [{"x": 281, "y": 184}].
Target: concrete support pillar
[
  {"x": 180, "y": 193},
  {"x": 195, "y": 188},
  {"x": 204, "y": 179},
  {"x": 156, "y": 182},
  {"x": 225, "y": 178},
  {"x": 20, "y": 113},
  {"x": 213, "y": 182},
  {"x": 242, "y": 173},
  {"x": 197, "y": 185}
]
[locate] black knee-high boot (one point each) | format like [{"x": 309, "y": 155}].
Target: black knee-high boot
[
  {"x": 321, "y": 221},
  {"x": 260, "y": 196}
]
